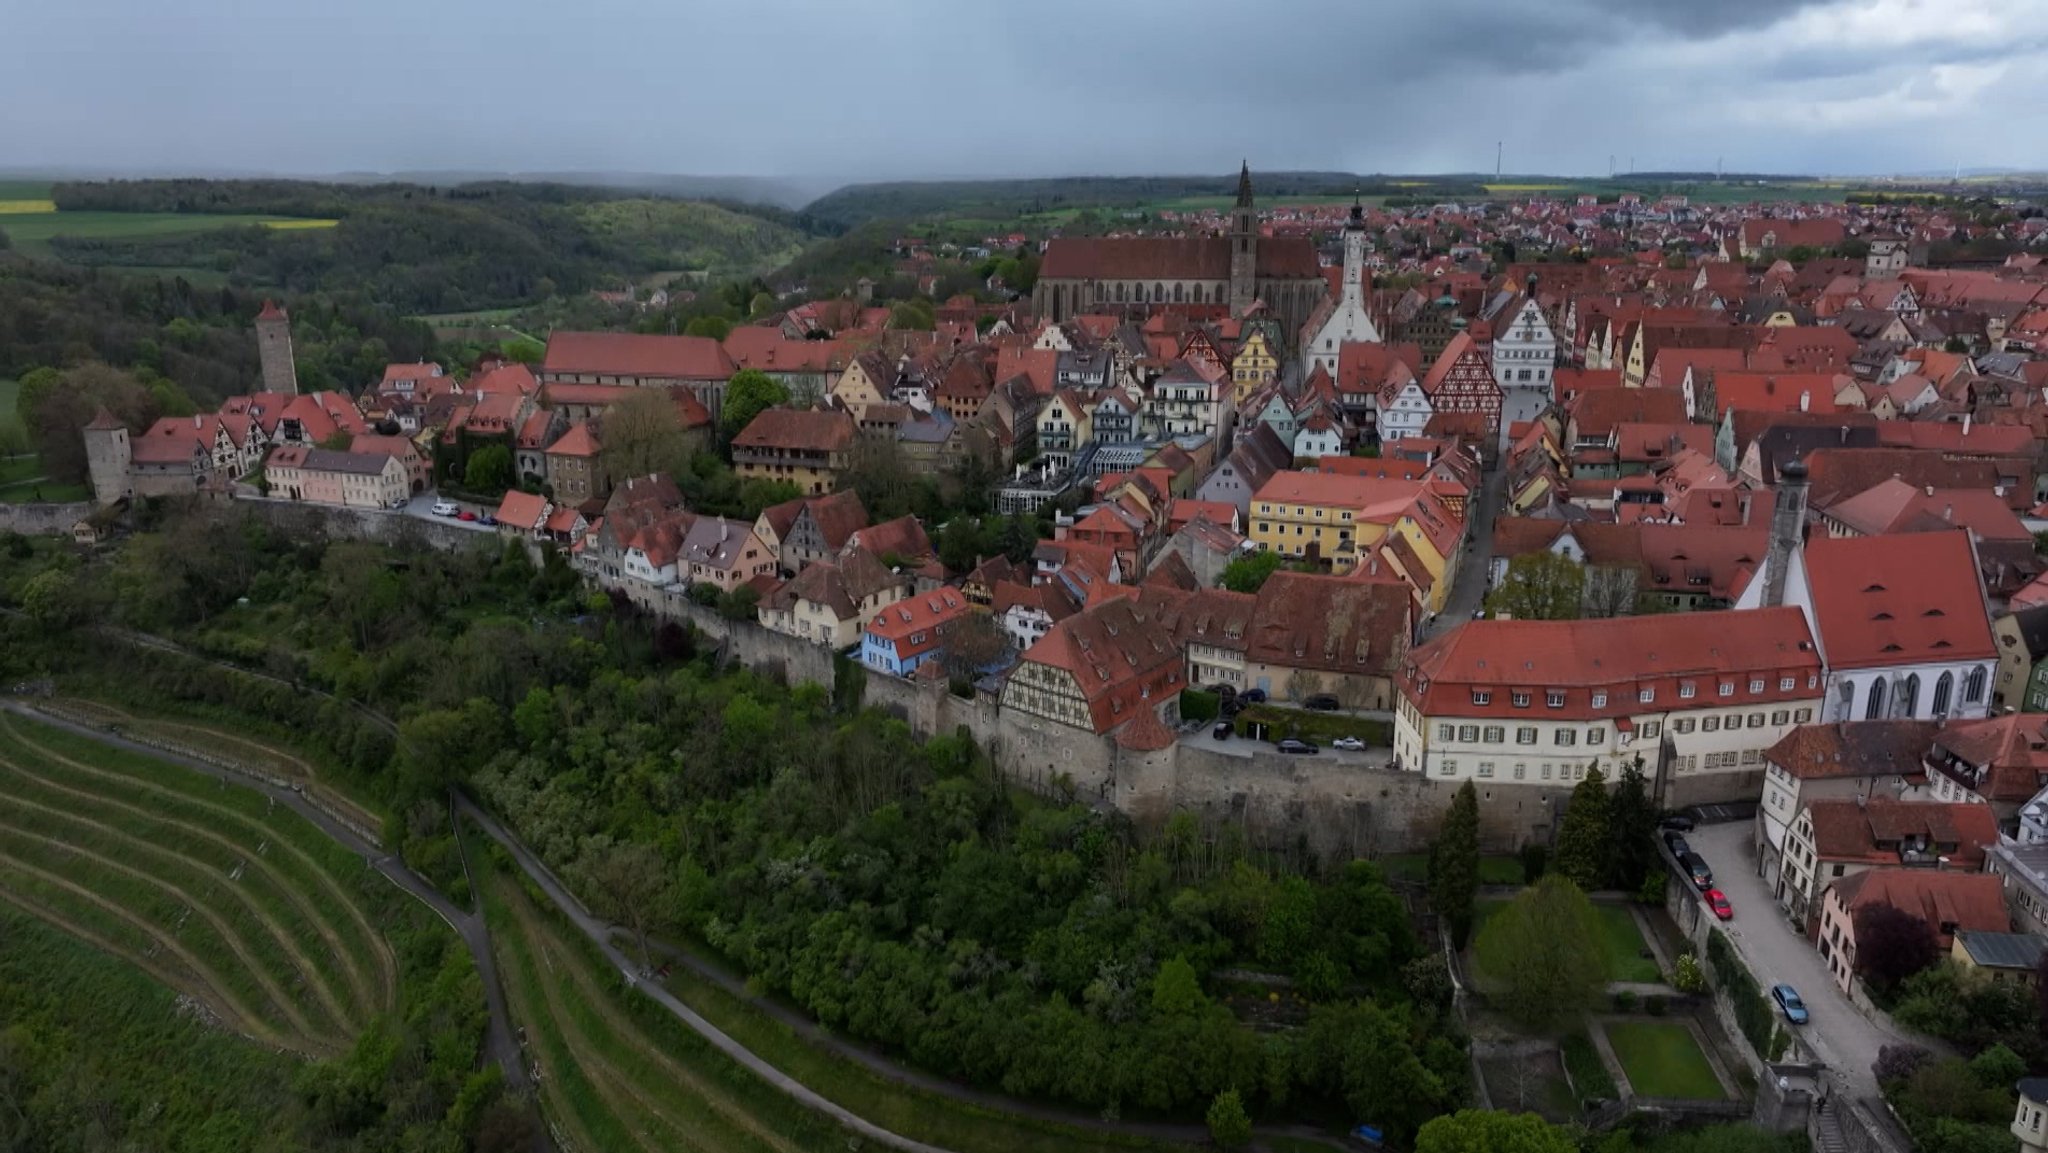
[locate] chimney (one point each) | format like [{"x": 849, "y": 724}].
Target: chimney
[
  {"x": 1788, "y": 525},
  {"x": 1966, "y": 424},
  {"x": 1806, "y": 402}
]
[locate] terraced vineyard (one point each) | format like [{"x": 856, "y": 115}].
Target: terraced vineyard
[
  {"x": 618, "y": 1073},
  {"x": 245, "y": 907}
]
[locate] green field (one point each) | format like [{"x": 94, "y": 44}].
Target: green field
[
  {"x": 1415, "y": 867},
  {"x": 32, "y": 231},
  {"x": 207, "y": 888},
  {"x": 616, "y": 1071},
  {"x": 1620, "y": 940},
  {"x": 913, "y": 1113},
  {"x": 1662, "y": 1060},
  {"x": 24, "y": 190}
]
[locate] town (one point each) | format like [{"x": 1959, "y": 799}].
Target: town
[{"x": 1327, "y": 520}]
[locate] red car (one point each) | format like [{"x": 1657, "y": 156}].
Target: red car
[
  {"x": 1718, "y": 901},
  {"x": 465, "y": 514}
]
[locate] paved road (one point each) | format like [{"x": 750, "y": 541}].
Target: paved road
[
  {"x": 1839, "y": 1034},
  {"x": 1468, "y": 592},
  {"x": 1240, "y": 746},
  {"x": 500, "y": 1043}
]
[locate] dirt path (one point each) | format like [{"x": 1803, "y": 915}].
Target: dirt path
[
  {"x": 285, "y": 1004},
  {"x": 388, "y": 959},
  {"x": 256, "y": 1025},
  {"x": 313, "y": 975},
  {"x": 382, "y": 997},
  {"x": 600, "y": 1004}
]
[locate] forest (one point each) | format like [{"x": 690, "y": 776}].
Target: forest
[{"x": 899, "y": 891}]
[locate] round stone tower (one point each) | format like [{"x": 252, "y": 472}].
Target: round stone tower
[{"x": 107, "y": 457}]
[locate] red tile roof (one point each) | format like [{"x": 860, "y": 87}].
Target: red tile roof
[
  {"x": 1897, "y": 600},
  {"x": 632, "y": 354},
  {"x": 1874, "y": 830},
  {"x": 1946, "y": 900},
  {"x": 1618, "y": 656},
  {"x": 1165, "y": 258},
  {"x": 808, "y": 430},
  {"x": 1854, "y": 749}
]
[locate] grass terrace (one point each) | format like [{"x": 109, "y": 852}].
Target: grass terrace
[
  {"x": 1662, "y": 1059},
  {"x": 1620, "y": 938}
]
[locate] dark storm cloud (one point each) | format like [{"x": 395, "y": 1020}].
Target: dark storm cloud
[{"x": 874, "y": 89}]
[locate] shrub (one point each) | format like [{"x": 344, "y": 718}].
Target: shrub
[
  {"x": 1624, "y": 1002},
  {"x": 1656, "y": 1004},
  {"x": 1652, "y": 890},
  {"x": 1588, "y": 1073},
  {"x": 1197, "y": 705},
  {"x": 1898, "y": 1063},
  {"x": 1535, "y": 858},
  {"x": 1752, "y": 1013},
  {"x": 1687, "y": 976}
]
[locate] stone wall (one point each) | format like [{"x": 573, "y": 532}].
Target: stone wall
[
  {"x": 374, "y": 525},
  {"x": 44, "y": 519}
]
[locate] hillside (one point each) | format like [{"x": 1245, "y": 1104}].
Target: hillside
[
  {"x": 917, "y": 200},
  {"x": 660, "y": 235}
]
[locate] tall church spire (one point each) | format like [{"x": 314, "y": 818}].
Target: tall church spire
[{"x": 1244, "y": 185}]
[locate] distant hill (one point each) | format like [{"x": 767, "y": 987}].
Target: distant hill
[{"x": 858, "y": 204}]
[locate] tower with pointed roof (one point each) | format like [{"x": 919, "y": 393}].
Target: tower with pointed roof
[
  {"x": 1244, "y": 245},
  {"x": 1348, "y": 318},
  {"x": 274, "y": 346},
  {"x": 108, "y": 456}
]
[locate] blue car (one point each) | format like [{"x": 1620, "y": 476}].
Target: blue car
[{"x": 1788, "y": 1000}]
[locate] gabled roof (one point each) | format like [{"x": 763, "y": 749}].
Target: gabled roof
[
  {"x": 633, "y": 354},
  {"x": 810, "y": 430},
  {"x": 1854, "y": 749},
  {"x": 1945, "y": 900},
  {"x": 1873, "y": 830},
  {"x": 1334, "y": 624},
  {"x": 1897, "y": 600}
]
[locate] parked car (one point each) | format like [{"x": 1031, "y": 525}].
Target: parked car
[
  {"x": 1696, "y": 867},
  {"x": 466, "y": 515},
  {"x": 1718, "y": 901},
  {"x": 1298, "y": 748},
  {"x": 1223, "y": 692},
  {"x": 1253, "y": 696},
  {"x": 1229, "y": 707},
  {"x": 1348, "y": 744},
  {"x": 1788, "y": 1000},
  {"x": 1223, "y": 731},
  {"x": 1677, "y": 821},
  {"x": 444, "y": 508},
  {"x": 488, "y": 518},
  {"x": 1677, "y": 843},
  {"x": 1321, "y": 703}
]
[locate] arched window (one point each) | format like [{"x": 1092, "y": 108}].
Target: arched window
[
  {"x": 1912, "y": 698},
  {"x": 1140, "y": 297},
  {"x": 1874, "y": 711},
  {"x": 1944, "y": 690},
  {"x": 1179, "y": 292},
  {"x": 1973, "y": 689},
  {"x": 1159, "y": 292}
]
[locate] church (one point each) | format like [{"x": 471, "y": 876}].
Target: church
[{"x": 1084, "y": 275}]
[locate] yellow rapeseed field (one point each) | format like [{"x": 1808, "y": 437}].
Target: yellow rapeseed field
[
  {"x": 26, "y": 207},
  {"x": 298, "y": 224},
  {"x": 1525, "y": 187}
]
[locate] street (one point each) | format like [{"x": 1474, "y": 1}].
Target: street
[
  {"x": 1776, "y": 952},
  {"x": 1242, "y": 746},
  {"x": 1468, "y": 591}
]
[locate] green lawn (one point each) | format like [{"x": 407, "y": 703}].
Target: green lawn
[
  {"x": 33, "y": 492},
  {"x": 10, "y": 389},
  {"x": 1624, "y": 945},
  {"x": 1589, "y": 1072},
  {"x": 1662, "y": 1060},
  {"x": 1415, "y": 867},
  {"x": 33, "y": 231}
]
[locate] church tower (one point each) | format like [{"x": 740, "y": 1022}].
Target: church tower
[
  {"x": 1244, "y": 246},
  {"x": 1354, "y": 256},
  {"x": 274, "y": 345}
]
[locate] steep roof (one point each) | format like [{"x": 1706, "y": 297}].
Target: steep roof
[
  {"x": 1897, "y": 600},
  {"x": 791, "y": 428},
  {"x": 1121, "y": 654},
  {"x": 1166, "y": 258},
  {"x": 1335, "y": 624},
  {"x": 1854, "y": 749},
  {"x": 633, "y": 354},
  {"x": 1946, "y": 900},
  {"x": 1875, "y": 829}
]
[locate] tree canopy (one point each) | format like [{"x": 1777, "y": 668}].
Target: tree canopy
[
  {"x": 1542, "y": 956},
  {"x": 1585, "y": 839},
  {"x": 748, "y": 394},
  {"x": 1454, "y": 863},
  {"x": 1540, "y": 586},
  {"x": 1247, "y": 573}
]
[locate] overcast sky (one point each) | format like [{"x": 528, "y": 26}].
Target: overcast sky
[{"x": 874, "y": 89}]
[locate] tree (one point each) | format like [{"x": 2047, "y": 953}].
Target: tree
[
  {"x": 974, "y": 643},
  {"x": 624, "y": 883},
  {"x": 1248, "y": 573},
  {"x": 1454, "y": 863},
  {"x": 1229, "y": 1126},
  {"x": 1176, "y": 989},
  {"x": 1610, "y": 591},
  {"x": 1480, "y": 1131},
  {"x": 54, "y": 406},
  {"x": 643, "y": 434},
  {"x": 338, "y": 440},
  {"x": 1632, "y": 827},
  {"x": 1542, "y": 955},
  {"x": 525, "y": 350},
  {"x": 1892, "y": 945},
  {"x": 715, "y": 327},
  {"x": 1584, "y": 838},
  {"x": 749, "y": 393},
  {"x": 1540, "y": 586},
  {"x": 489, "y": 470},
  {"x": 916, "y": 314}
]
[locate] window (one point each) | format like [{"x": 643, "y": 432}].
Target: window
[
  {"x": 1813, "y": 680},
  {"x": 1973, "y": 689},
  {"x": 1780, "y": 716},
  {"x": 1910, "y": 700},
  {"x": 1686, "y": 690},
  {"x": 1600, "y": 700},
  {"x": 1481, "y": 697},
  {"x": 1521, "y": 771},
  {"x": 1710, "y": 724},
  {"x": 1651, "y": 729},
  {"x": 1727, "y": 688},
  {"x": 1756, "y": 720},
  {"x": 1447, "y": 768},
  {"x": 1785, "y": 684},
  {"x": 1446, "y": 733},
  {"x": 1683, "y": 725},
  {"x": 1801, "y": 716},
  {"x": 1752, "y": 756},
  {"x": 1554, "y": 698},
  {"x": 1520, "y": 698},
  {"x": 1756, "y": 685},
  {"x": 1944, "y": 689},
  {"x": 1565, "y": 737},
  {"x": 1468, "y": 733},
  {"x": 1486, "y": 768},
  {"x": 1525, "y": 735},
  {"x": 1494, "y": 734},
  {"x": 1645, "y": 696},
  {"x": 1874, "y": 709},
  {"x": 1836, "y": 871},
  {"x": 1597, "y": 735}
]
